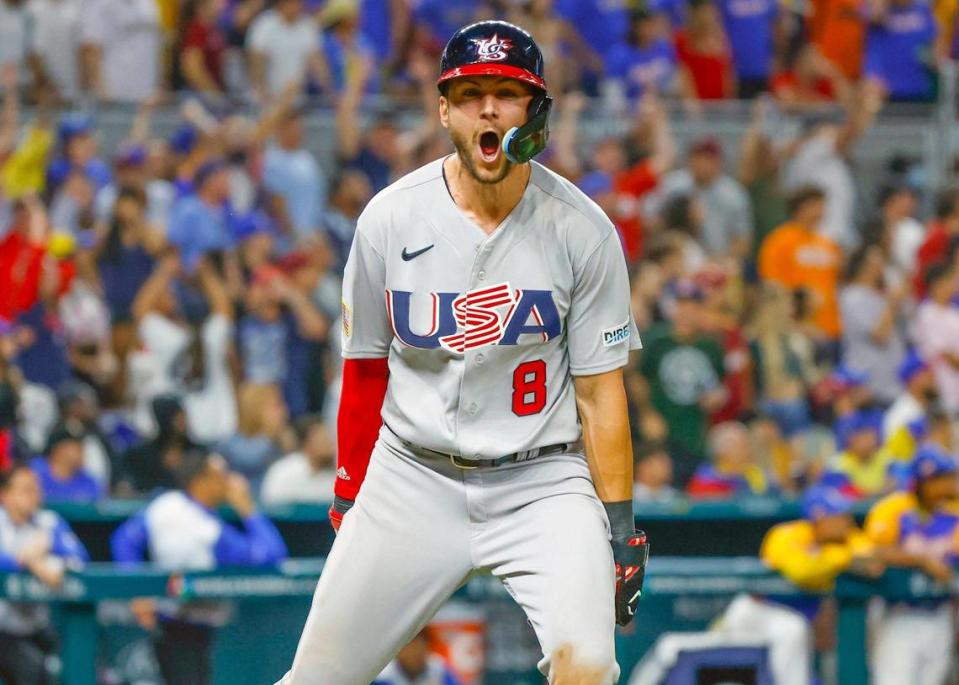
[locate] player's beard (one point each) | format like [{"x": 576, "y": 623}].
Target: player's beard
[{"x": 465, "y": 149}]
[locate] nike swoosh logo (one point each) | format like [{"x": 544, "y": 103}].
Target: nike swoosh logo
[{"x": 407, "y": 256}]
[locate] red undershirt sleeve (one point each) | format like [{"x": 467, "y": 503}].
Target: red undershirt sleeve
[{"x": 359, "y": 420}]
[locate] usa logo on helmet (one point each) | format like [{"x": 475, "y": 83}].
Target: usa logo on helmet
[{"x": 492, "y": 49}]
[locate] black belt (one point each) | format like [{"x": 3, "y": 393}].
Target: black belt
[{"x": 461, "y": 462}]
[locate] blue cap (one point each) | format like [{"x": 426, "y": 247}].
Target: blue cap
[
  {"x": 848, "y": 376},
  {"x": 910, "y": 366},
  {"x": 595, "y": 183},
  {"x": 130, "y": 154},
  {"x": 857, "y": 422},
  {"x": 184, "y": 139},
  {"x": 820, "y": 501},
  {"x": 931, "y": 461},
  {"x": 75, "y": 124}
]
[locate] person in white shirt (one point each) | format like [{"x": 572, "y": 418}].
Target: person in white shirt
[
  {"x": 285, "y": 45},
  {"x": 55, "y": 45},
  {"x": 39, "y": 542},
  {"x": 183, "y": 357},
  {"x": 936, "y": 332},
  {"x": 305, "y": 476},
  {"x": 905, "y": 233},
  {"x": 13, "y": 33},
  {"x": 121, "y": 43}
]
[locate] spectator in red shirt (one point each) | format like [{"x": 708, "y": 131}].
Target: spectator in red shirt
[
  {"x": 809, "y": 80},
  {"x": 203, "y": 46},
  {"x": 942, "y": 229},
  {"x": 703, "y": 51}
]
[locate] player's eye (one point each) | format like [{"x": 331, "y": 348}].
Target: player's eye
[
  {"x": 471, "y": 93},
  {"x": 508, "y": 93}
]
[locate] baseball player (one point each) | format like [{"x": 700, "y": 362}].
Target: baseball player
[
  {"x": 486, "y": 322},
  {"x": 915, "y": 639}
]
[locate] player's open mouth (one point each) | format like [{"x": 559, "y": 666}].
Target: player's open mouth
[{"x": 489, "y": 146}]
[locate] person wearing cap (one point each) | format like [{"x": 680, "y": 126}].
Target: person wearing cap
[
  {"x": 61, "y": 471},
  {"x": 860, "y": 465},
  {"x": 728, "y": 225},
  {"x": 799, "y": 256},
  {"x": 935, "y": 329},
  {"x": 683, "y": 372},
  {"x": 198, "y": 223},
  {"x": 870, "y": 315},
  {"x": 78, "y": 153},
  {"x": 810, "y": 553},
  {"x": 918, "y": 529},
  {"x": 131, "y": 170},
  {"x": 36, "y": 541},
  {"x": 917, "y": 397}
]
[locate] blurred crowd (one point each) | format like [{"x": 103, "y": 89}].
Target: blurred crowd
[
  {"x": 182, "y": 291},
  {"x": 250, "y": 50},
  {"x": 170, "y": 307}
]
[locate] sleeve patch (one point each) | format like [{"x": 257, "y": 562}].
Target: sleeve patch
[
  {"x": 616, "y": 334},
  {"x": 347, "y": 320}
]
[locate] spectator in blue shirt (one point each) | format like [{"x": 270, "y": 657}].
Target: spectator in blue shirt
[
  {"x": 437, "y": 20},
  {"x": 900, "y": 51},
  {"x": 181, "y": 530},
  {"x": 41, "y": 543},
  {"x": 646, "y": 62},
  {"x": 198, "y": 223},
  {"x": 749, "y": 25},
  {"x": 416, "y": 664},
  {"x": 291, "y": 172},
  {"x": 78, "y": 147},
  {"x": 385, "y": 23},
  {"x": 61, "y": 472},
  {"x": 601, "y": 23},
  {"x": 346, "y": 48},
  {"x": 351, "y": 191}
]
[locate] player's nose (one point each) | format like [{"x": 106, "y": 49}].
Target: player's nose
[{"x": 489, "y": 106}]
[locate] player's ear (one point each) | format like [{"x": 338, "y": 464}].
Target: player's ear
[{"x": 444, "y": 111}]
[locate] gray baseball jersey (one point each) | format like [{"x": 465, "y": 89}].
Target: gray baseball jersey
[{"x": 484, "y": 332}]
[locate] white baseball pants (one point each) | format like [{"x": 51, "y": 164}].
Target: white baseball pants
[
  {"x": 913, "y": 646},
  {"x": 422, "y": 526}
]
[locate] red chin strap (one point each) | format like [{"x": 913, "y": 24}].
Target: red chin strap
[{"x": 359, "y": 420}]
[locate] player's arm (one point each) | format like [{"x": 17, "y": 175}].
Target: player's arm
[
  {"x": 601, "y": 401},
  {"x": 601, "y": 332},
  {"x": 366, "y": 337}
]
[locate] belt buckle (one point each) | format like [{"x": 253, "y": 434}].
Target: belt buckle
[{"x": 461, "y": 466}]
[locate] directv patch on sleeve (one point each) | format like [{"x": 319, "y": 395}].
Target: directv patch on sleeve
[{"x": 616, "y": 335}]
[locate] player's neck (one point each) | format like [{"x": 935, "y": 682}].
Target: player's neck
[{"x": 487, "y": 204}]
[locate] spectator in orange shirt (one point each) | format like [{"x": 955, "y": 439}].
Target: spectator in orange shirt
[
  {"x": 797, "y": 255},
  {"x": 838, "y": 29}
]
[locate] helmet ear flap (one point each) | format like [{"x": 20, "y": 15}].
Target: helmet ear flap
[{"x": 522, "y": 143}]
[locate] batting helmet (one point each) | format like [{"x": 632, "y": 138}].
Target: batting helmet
[{"x": 498, "y": 48}]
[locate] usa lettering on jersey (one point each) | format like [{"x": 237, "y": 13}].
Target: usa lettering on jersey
[{"x": 493, "y": 315}]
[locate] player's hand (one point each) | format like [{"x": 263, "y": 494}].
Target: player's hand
[
  {"x": 338, "y": 510},
  {"x": 630, "y": 556}
]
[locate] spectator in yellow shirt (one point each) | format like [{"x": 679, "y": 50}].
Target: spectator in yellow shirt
[{"x": 811, "y": 553}]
